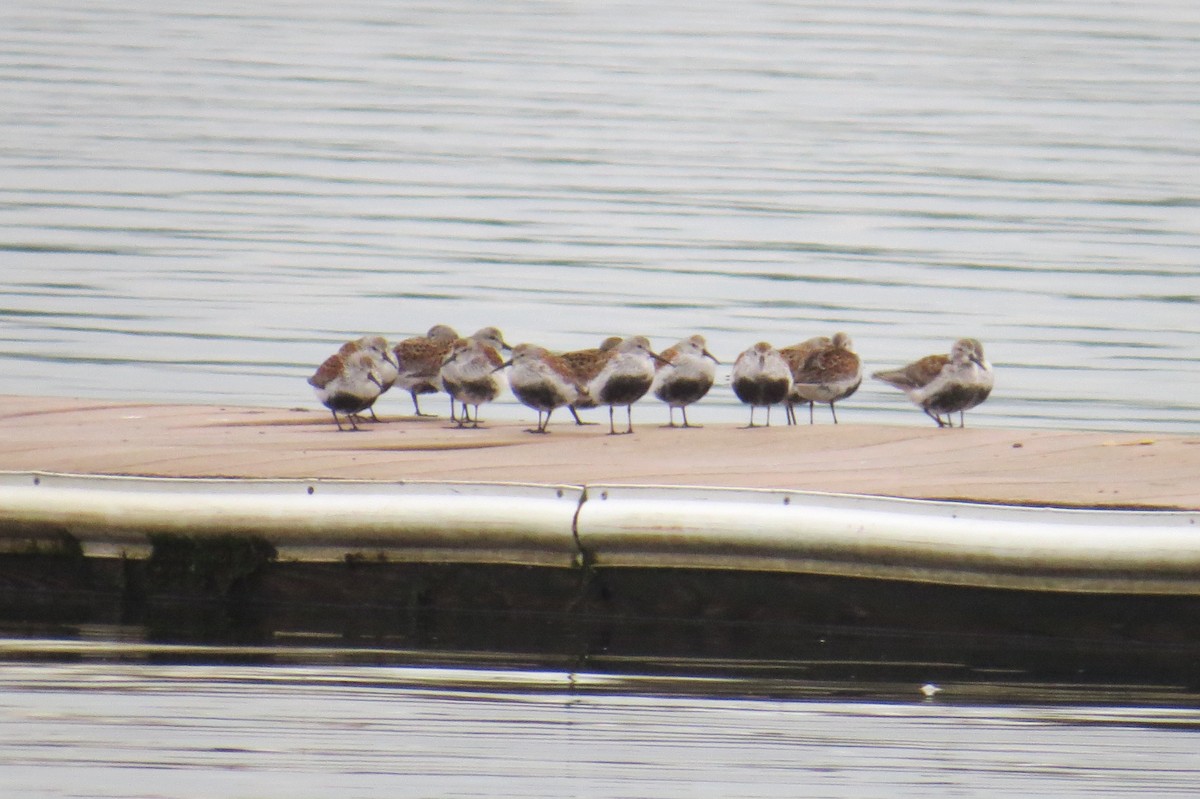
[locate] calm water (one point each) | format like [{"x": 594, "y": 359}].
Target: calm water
[
  {"x": 200, "y": 201},
  {"x": 122, "y": 730}
]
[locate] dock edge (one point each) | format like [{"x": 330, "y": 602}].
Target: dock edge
[{"x": 616, "y": 526}]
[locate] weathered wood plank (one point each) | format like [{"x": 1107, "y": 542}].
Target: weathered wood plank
[{"x": 1071, "y": 468}]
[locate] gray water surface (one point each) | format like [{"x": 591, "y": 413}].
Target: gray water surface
[
  {"x": 125, "y": 730},
  {"x": 199, "y": 202}
]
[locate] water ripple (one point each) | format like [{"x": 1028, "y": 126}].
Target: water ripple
[{"x": 262, "y": 184}]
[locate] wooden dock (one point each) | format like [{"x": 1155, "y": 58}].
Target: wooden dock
[
  {"x": 1024, "y": 467},
  {"x": 1048, "y": 554},
  {"x": 1040, "y": 511}
]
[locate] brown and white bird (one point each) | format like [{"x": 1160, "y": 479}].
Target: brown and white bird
[
  {"x": 419, "y": 359},
  {"x": 761, "y": 377},
  {"x": 347, "y": 384},
  {"x": 585, "y": 365},
  {"x": 684, "y": 376},
  {"x": 942, "y": 385},
  {"x": 624, "y": 378},
  {"x": 541, "y": 380},
  {"x": 470, "y": 373},
  {"x": 384, "y": 362},
  {"x": 823, "y": 370}
]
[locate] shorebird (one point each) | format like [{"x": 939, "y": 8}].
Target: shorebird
[
  {"x": 419, "y": 359},
  {"x": 470, "y": 373},
  {"x": 585, "y": 365},
  {"x": 761, "y": 377},
  {"x": 796, "y": 355},
  {"x": 823, "y": 370},
  {"x": 384, "y": 362},
  {"x": 684, "y": 375},
  {"x": 541, "y": 380},
  {"x": 347, "y": 384},
  {"x": 945, "y": 384},
  {"x": 983, "y": 385},
  {"x": 624, "y": 379}
]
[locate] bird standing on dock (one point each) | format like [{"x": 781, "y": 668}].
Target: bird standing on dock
[
  {"x": 625, "y": 378},
  {"x": 983, "y": 382},
  {"x": 384, "y": 363},
  {"x": 471, "y": 372},
  {"x": 945, "y": 384},
  {"x": 419, "y": 359},
  {"x": 796, "y": 355},
  {"x": 823, "y": 370},
  {"x": 684, "y": 376},
  {"x": 541, "y": 380},
  {"x": 347, "y": 384},
  {"x": 761, "y": 377},
  {"x": 585, "y": 365}
]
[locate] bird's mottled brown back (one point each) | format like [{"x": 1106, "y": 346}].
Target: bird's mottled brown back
[
  {"x": 560, "y": 366},
  {"x": 916, "y": 374},
  {"x": 586, "y": 364},
  {"x": 492, "y": 356},
  {"x": 421, "y": 356},
  {"x": 668, "y": 357},
  {"x": 797, "y": 354},
  {"x": 327, "y": 372},
  {"x": 825, "y": 365}
]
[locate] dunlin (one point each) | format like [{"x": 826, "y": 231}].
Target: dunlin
[
  {"x": 541, "y": 380},
  {"x": 796, "y": 355},
  {"x": 761, "y": 377},
  {"x": 942, "y": 385},
  {"x": 419, "y": 359},
  {"x": 470, "y": 373},
  {"x": 984, "y": 382},
  {"x": 823, "y": 370},
  {"x": 585, "y": 365},
  {"x": 685, "y": 375},
  {"x": 347, "y": 385},
  {"x": 384, "y": 361},
  {"x": 625, "y": 378}
]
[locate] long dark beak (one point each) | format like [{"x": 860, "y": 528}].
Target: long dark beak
[
  {"x": 502, "y": 366},
  {"x": 710, "y": 356},
  {"x": 659, "y": 358},
  {"x": 504, "y": 345},
  {"x": 374, "y": 379}
]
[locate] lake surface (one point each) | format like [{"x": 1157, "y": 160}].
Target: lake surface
[
  {"x": 200, "y": 203},
  {"x": 122, "y": 729}
]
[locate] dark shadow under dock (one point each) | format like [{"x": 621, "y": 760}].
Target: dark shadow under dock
[{"x": 846, "y": 635}]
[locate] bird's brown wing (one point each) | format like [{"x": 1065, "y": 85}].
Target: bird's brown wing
[
  {"x": 916, "y": 374},
  {"x": 327, "y": 372}
]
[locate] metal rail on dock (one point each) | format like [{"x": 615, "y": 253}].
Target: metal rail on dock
[{"x": 613, "y": 526}]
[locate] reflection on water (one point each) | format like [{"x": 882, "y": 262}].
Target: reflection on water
[
  {"x": 117, "y": 730},
  {"x": 376, "y": 699},
  {"x": 198, "y": 204},
  {"x": 409, "y": 688}
]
